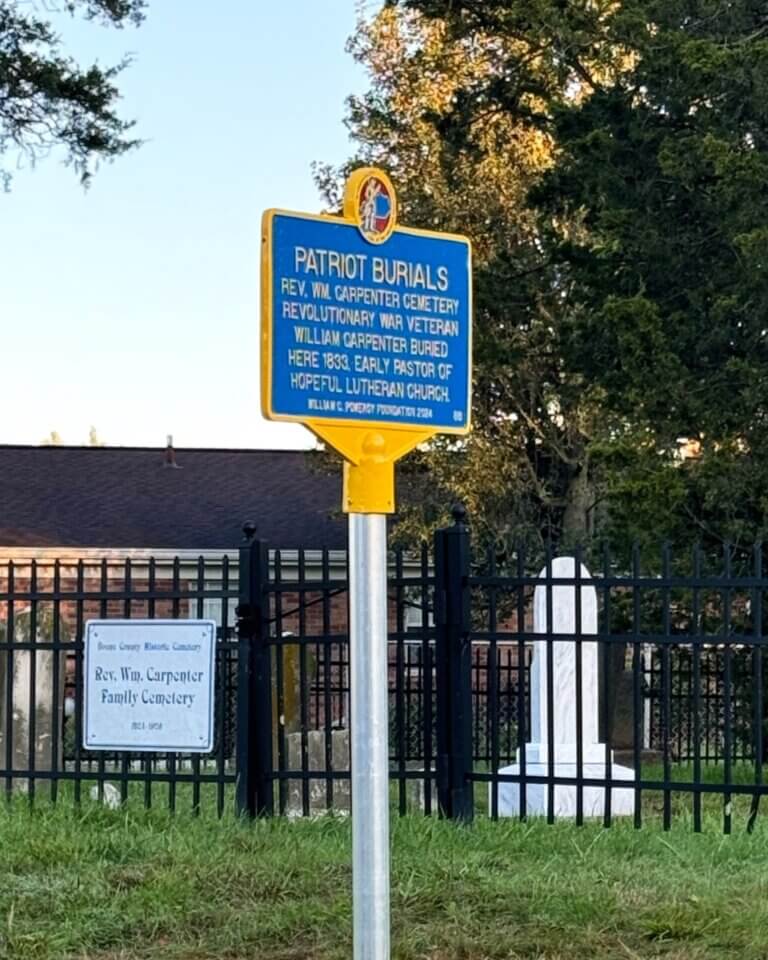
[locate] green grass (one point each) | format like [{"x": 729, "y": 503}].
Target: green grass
[{"x": 124, "y": 885}]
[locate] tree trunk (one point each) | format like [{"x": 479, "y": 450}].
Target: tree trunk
[
  {"x": 615, "y": 696},
  {"x": 578, "y": 525}
]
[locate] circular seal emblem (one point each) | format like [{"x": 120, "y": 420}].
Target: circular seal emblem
[{"x": 369, "y": 201}]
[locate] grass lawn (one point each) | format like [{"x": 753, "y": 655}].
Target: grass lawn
[{"x": 117, "y": 885}]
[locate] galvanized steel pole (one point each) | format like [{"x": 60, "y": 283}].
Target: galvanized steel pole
[{"x": 370, "y": 734}]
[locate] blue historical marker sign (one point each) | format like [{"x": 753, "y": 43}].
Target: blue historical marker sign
[{"x": 365, "y": 331}]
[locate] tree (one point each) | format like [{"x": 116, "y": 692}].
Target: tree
[
  {"x": 47, "y": 100},
  {"x": 525, "y": 471},
  {"x": 669, "y": 167},
  {"x": 651, "y": 223},
  {"x": 54, "y": 439}
]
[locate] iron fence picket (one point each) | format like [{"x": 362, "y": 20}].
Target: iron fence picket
[{"x": 694, "y": 642}]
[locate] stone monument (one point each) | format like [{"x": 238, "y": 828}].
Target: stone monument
[{"x": 563, "y": 606}]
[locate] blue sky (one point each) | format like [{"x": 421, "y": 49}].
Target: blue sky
[{"x": 133, "y": 306}]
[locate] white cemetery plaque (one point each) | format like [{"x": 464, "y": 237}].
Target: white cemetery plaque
[{"x": 149, "y": 685}]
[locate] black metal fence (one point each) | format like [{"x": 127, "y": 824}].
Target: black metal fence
[
  {"x": 708, "y": 676},
  {"x": 672, "y": 720},
  {"x": 650, "y": 701},
  {"x": 680, "y": 682},
  {"x": 43, "y": 610}
]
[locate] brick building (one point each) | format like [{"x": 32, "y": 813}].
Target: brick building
[{"x": 90, "y": 522}]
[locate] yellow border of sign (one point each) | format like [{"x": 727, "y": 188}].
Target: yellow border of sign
[
  {"x": 369, "y": 447},
  {"x": 267, "y": 320}
]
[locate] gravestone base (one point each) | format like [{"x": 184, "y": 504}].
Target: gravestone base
[
  {"x": 317, "y": 788},
  {"x": 110, "y": 796},
  {"x": 565, "y": 795},
  {"x": 414, "y": 788},
  {"x": 627, "y": 757}
]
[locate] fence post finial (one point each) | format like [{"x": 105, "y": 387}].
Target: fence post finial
[{"x": 459, "y": 514}]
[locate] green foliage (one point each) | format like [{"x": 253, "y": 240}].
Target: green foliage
[
  {"x": 48, "y": 101},
  {"x": 669, "y": 169},
  {"x": 644, "y": 322},
  {"x": 524, "y": 473}
]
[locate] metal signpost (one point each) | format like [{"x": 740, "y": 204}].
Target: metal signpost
[{"x": 366, "y": 339}]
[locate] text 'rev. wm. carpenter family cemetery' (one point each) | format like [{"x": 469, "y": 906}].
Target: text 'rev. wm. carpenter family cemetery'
[{"x": 149, "y": 685}]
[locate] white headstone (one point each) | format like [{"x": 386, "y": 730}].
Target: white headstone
[
  {"x": 562, "y": 603},
  {"x": 33, "y": 707}
]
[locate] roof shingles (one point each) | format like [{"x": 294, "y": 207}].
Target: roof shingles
[{"x": 127, "y": 497}]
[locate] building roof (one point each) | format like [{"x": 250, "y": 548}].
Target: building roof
[{"x": 134, "y": 498}]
